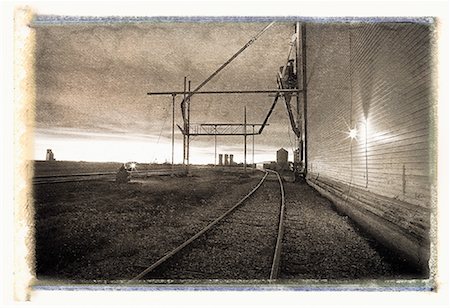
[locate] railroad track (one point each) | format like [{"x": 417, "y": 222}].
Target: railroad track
[
  {"x": 242, "y": 243},
  {"x": 94, "y": 176}
]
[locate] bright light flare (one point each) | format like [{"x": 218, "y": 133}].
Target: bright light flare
[
  {"x": 353, "y": 133},
  {"x": 133, "y": 166}
]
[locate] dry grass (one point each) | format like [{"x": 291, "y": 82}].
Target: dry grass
[{"x": 102, "y": 230}]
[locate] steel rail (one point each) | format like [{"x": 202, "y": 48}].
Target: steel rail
[
  {"x": 197, "y": 235},
  {"x": 277, "y": 253},
  {"x": 65, "y": 178}
]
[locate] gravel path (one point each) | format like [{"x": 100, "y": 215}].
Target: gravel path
[
  {"x": 321, "y": 244},
  {"x": 240, "y": 247}
]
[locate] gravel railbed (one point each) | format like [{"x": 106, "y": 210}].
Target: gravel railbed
[
  {"x": 319, "y": 243},
  {"x": 241, "y": 247}
]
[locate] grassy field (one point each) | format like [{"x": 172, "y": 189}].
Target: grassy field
[
  {"x": 103, "y": 230},
  {"x": 59, "y": 167}
]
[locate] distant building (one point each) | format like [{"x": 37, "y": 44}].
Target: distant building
[
  {"x": 49, "y": 156},
  {"x": 231, "y": 159},
  {"x": 267, "y": 165},
  {"x": 282, "y": 159},
  {"x": 220, "y": 159}
]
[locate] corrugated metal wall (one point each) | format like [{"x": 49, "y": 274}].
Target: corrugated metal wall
[{"x": 377, "y": 80}]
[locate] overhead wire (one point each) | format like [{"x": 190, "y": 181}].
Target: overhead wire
[{"x": 162, "y": 127}]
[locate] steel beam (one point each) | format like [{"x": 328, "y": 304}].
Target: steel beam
[
  {"x": 224, "y": 134},
  {"x": 229, "y": 124},
  {"x": 305, "y": 109},
  {"x": 189, "y": 93}
]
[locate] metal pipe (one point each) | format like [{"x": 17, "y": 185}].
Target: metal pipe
[
  {"x": 268, "y": 114},
  {"x": 189, "y": 93}
]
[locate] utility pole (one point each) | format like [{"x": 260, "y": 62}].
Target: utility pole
[
  {"x": 184, "y": 121},
  {"x": 245, "y": 139},
  {"x": 215, "y": 145},
  {"x": 188, "y": 126},
  {"x": 173, "y": 132},
  {"x": 253, "y": 147}
]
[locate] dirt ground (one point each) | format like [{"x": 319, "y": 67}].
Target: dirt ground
[{"x": 103, "y": 231}]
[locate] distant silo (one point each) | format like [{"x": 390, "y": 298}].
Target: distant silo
[
  {"x": 226, "y": 160},
  {"x": 231, "y": 159},
  {"x": 282, "y": 158},
  {"x": 297, "y": 157},
  {"x": 49, "y": 156},
  {"x": 220, "y": 159}
]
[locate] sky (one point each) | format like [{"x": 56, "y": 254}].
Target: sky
[{"x": 92, "y": 83}]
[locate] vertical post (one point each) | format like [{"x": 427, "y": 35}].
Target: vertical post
[
  {"x": 304, "y": 92},
  {"x": 245, "y": 139},
  {"x": 188, "y": 127},
  {"x": 184, "y": 121},
  {"x": 253, "y": 147},
  {"x": 215, "y": 145},
  {"x": 173, "y": 131}
]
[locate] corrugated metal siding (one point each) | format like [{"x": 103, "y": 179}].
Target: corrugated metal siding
[
  {"x": 375, "y": 77},
  {"x": 328, "y": 97}
]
